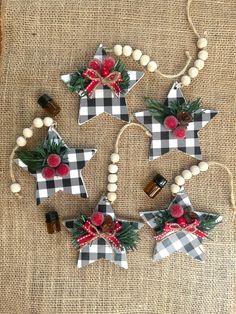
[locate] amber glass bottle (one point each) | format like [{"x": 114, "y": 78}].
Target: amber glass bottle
[
  {"x": 48, "y": 104},
  {"x": 52, "y": 221},
  {"x": 155, "y": 186}
]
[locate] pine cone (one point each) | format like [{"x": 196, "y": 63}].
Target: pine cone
[
  {"x": 108, "y": 224},
  {"x": 184, "y": 117},
  {"x": 189, "y": 215}
]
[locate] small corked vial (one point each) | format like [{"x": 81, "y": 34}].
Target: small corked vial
[
  {"x": 52, "y": 221},
  {"x": 155, "y": 185},
  {"x": 48, "y": 104}
]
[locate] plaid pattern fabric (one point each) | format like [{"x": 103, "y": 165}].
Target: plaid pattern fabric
[
  {"x": 99, "y": 248},
  {"x": 180, "y": 241},
  {"x": 104, "y": 99},
  {"x": 73, "y": 183},
  {"x": 162, "y": 139}
]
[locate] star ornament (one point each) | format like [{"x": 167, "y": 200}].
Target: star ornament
[
  {"x": 103, "y": 97},
  {"x": 72, "y": 183},
  {"x": 180, "y": 234},
  {"x": 163, "y": 140},
  {"x": 103, "y": 236}
]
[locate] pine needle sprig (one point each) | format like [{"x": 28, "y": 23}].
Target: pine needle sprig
[
  {"x": 78, "y": 230},
  {"x": 208, "y": 222},
  {"x": 128, "y": 236},
  {"x": 78, "y": 83},
  {"x": 161, "y": 218},
  {"x": 120, "y": 67}
]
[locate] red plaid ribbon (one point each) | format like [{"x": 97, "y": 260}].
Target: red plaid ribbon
[
  {"x": 112, "y": 81},
  {"x": 94, "y": 234},
  {"x": 174, "y": 227}
]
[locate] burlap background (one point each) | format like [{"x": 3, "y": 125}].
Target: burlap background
[{"x": 43, "y": 39}]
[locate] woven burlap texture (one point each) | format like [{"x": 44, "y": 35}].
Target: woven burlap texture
[{"x": 47, "y": 38}]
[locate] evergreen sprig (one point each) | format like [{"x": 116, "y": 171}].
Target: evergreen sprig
[
  {"x": 208, "y": 222},
  {"x": 120, "y": 67},
  {"x": 161, "y": 218},
  {"x": 37, "y": 159},
  {"x": 160, "y": 110},
  {"x": 127, "y": 236}
]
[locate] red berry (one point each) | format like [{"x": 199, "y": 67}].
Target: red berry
[
  {"x": 97, "y": 218},
  {"x": 48, "y": 173},
  {"x": 176, "y": 210},
  {"x": 182, "y": 222},
  {"x": 109, "y": 62},
  {"x": 53, "y": 160},
  {"x": 180, "y": 132},
  {"x": 95, "y": 64},
  {"x": 171, "y": 122},
  {"x": 63, "y": 170},
  {"x": 105, "y": 71}
]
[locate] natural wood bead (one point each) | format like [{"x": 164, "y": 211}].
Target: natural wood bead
[
  {"x": 21, "y": 141},
  {"x": 115, "y": 157},
  {"x": 152, "y": 66},
  {"x": 195, "y": 170},
  {"x": 179, "y": 180},
  {"x": 111, "y": 196},
  {"x": 186, "y": 80},
  {"x": 193, "y": 72},
  {"x": 187, "y": 175},
  {"x": 137, "y": 54},
  {"x": 203, "y": 166},
  {"x": 27, "y": 132},
  {"x": 15, "y": 187},
  {"x": 127, "y": 51},
  {"x": 202, "y": 43},
  {"x": 48, "y": 121},
  {"x": 113, "y": 168},
  {"x": 199, "y": 64},
  {"x": 38, "y": 123},
  {"x": 112, "y": 178},
  {"x": 111, "y": 187},
  {"x": 174, "y": 188},
  {"x": 144, "y": 60},
  {"x": 117, "y": 50},
  {"x": 203, "y": 55}
]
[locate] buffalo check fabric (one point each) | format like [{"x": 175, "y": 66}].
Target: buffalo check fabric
[
  {"x": 99, "y": 248},
  {"x": 162, "y": 139},
  {"x": 104, "y": 99},
  {"x": 180, "y": 241},
  {"x": 73, "y": 183}
]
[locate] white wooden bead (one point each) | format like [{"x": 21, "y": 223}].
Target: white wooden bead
[
  {"x": 27, "y": 132},
  {"x": 112, "y": 178},
  {"x": 187, "y": 175},
  {"x": 203, "y": 55},
  {"x": 193, "y": 72},
  {"x": 195, "y": 170},
  {"x": 15, "y": 187},
  {"x": 186, "y": 80},
  {"x": 111, "y": 196},
  {"x": 174, "y": 188},
  {"x": 201, "y": 43},
  {"x": 127, "y": 51},
  {"x": 152, "y": 66},
  {"x": 21, "y": 141},
  {"x": 199, "y": 64},
  {"x": 117, "y": 50},
  {"x": 137, "y": 54},
  {"x": 179, "y": 180},
  {"x": 48, "y": 121},
  {"x": 115, "y": 157},
  {"x": 111, "y": 187},
  {"x": 38, "y": 123},
  {"x": 203, "y": 166},
  {"x": 144, "y": 60},
  {"x": 113, "y": 168}
]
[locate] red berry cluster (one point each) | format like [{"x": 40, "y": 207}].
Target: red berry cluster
[
  {"x": 183, "y": 217},
  {"x": 55, "y": 167},
  {"x": 103, "y": 67},
  {"x": 172, "y": 123}
]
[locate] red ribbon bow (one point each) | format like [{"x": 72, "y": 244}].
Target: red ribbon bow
[
  {"x": 93, "y": 234},
  {"x": 111, "y": 80},
  {"x": 174, "y": 227}
]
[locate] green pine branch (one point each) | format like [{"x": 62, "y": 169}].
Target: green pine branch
[
  {"x": 208, "y": 222},
  {"x": 161, "y": 218},
  {"x": 120, "y": 67}
]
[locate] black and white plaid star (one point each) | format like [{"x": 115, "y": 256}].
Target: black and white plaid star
[
  {"x": 73, "y": 183},
  {"x": 179, "y": 241},
  {"x": 104, "y": 99},
  {"x": 163, "y": 140},
  {"x": 99, "y": 248}
]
